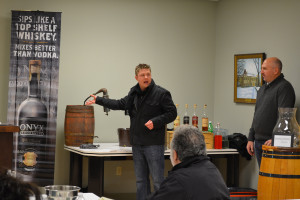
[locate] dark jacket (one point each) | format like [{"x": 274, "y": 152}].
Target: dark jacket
[
  {"x": 270, "y": 97},
  {"x": 155, "y": 104},
  {"x": 194, "y": 179}
]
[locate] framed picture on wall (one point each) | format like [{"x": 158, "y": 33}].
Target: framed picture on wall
[{"x": 247, "y": 76}]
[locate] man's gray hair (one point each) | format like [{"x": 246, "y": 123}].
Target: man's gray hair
[{"x": 188, "y": 141}]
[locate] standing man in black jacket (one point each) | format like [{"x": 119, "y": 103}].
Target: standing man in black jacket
[
  {"x": 193, "y": 176},
  {"x": 275, "y": 93},
  {"x": 150, "y": 108}
]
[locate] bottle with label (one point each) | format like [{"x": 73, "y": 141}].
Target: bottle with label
[
  {"x": 210, "y": 127},
  {"x": 177, "y": 120},
  {"x": 204, "y": 119},
  {"x": 186, "y": 118},
  {"x": 195, "y": 117},
  {"x": 218, "y": 137},
  {"x": 32, "y": 119}
]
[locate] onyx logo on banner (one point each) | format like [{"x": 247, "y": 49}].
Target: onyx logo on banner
[{"x": 33, "y": 90}]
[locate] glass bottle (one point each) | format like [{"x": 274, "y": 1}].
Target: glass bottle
[
  {"x": 32, "y": 119},
  {"x": 177, "y": 120},
  {"x": 186, "y": 118},
  {"x": 225, "y": 141},
  {"x": 195, "y": 117},
  {"x": 210, "y": 127},
  {"x": 218, "y": 137},
  {"x": 286, "y": 132},
  {"x": 204, "y": 119}
]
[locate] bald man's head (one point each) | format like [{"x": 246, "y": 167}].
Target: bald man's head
[
  {"x": 271, "y": 69},
  {"x": 275, "y": 62}
]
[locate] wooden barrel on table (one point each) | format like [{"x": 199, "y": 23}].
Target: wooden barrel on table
[
  {"x": 79, "y": 125},
  {"x": 279, "y": 175}
]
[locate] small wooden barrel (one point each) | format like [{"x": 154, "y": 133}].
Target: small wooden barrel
[
  {"x": 209, "y": 140},
  {"x": 279, "y": 175},
  {"x": 79, "y": 125}
]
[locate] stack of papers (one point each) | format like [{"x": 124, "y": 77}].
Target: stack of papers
[
  {"x": 104, "y": 198},
  {"x": 92, "y": 196}
]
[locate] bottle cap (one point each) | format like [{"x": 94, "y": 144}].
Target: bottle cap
[
  {"x": 34, "y": 68},
  {"x": 35, "y": 62}
]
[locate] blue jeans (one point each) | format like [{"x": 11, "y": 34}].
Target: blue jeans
[
  {"x": 148, "y": 159},
  {"x": 258, "y": 150}
]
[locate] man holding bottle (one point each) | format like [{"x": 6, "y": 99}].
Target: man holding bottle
[
  {"x": 275, "y": 93},
  {"x": 150, "y": 108}
]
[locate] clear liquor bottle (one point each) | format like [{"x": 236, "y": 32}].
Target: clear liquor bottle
[
  {"x": 186, "y": 118},
  {"x": 204, "y": 119},
  {"x": 195, "y": 117},
  {"x": 32, "y": 120}
]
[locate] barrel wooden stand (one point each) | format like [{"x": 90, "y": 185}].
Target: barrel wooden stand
[{"x": 279, "y": 175}]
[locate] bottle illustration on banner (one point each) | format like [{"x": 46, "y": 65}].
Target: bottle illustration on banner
[{"x": 32, "y": 120}]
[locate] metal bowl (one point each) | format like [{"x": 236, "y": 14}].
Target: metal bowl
[{"x": 62, "y": 192}]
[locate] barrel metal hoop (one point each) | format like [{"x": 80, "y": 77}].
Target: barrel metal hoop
[
  {"x": 280, "y": 157},
  {"x": 80, "y": 111},
  {"x": 282, "y": 152},
  {"x": 278, "y": 175},
  {"x": 80, "y": 117}
]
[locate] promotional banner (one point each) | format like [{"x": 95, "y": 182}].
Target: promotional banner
[{"x": 33, "y": 90}]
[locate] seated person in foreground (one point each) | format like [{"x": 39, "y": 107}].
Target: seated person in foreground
[
  {"x": 12, "y": 188},
  {"x": 193, "y": 176}
]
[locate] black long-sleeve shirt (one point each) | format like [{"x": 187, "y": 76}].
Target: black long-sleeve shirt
[
  {"x": 155, "y": 104},
  {"x": 270, "y": 97}
]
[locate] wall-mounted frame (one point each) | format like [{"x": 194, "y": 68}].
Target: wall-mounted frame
[{"x": 247, "y": 76}]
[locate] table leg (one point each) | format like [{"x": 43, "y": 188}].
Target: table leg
[
  {"x": 96, "y": 175},
  {"x": 233, "y": 170},
  {"x": 75, "y": 169}
]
